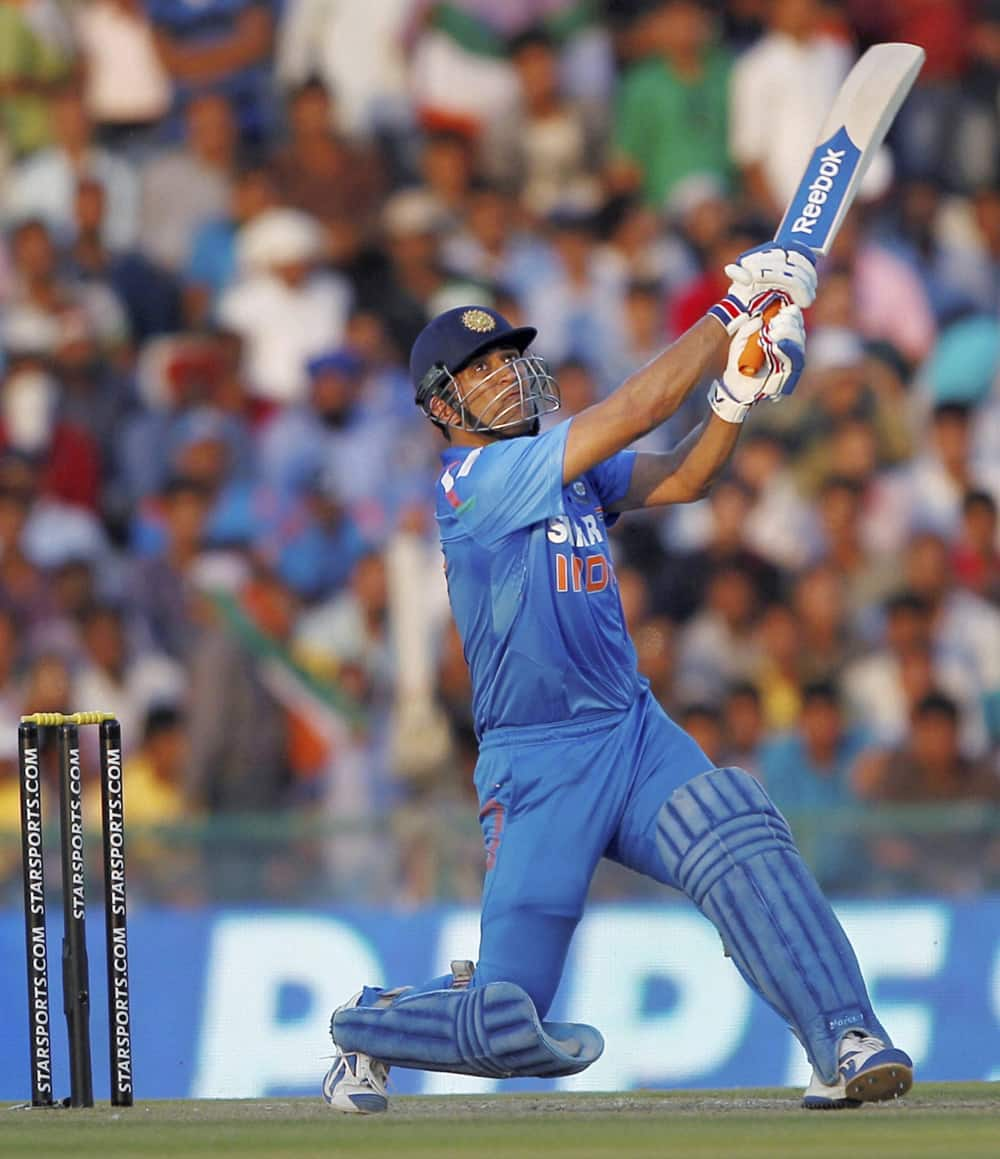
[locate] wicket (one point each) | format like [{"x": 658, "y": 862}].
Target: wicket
[{"x": 75, "y": 967}]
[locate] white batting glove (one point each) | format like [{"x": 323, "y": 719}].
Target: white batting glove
[
  {"x": 783, "y": 341},
  {"x": 760, "y": 274},
  {"x": 789, "y": 270}
]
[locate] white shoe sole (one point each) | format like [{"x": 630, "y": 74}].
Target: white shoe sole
[{"x": 359, "y": 1103}]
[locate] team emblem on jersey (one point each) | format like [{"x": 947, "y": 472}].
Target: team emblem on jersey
[
  {"x": 579, "y": 489},
  {"x": 479, "y": 321}
]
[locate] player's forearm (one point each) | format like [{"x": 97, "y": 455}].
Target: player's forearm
[
  {"x": 710, "y": 449},
  {"x": 644, "y": 400},
  {"x": 686, "y": 472},
  {"x": 651, "y": 395}
]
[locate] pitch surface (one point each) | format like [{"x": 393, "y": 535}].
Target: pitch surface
[{"x": 957, "y": 1121}]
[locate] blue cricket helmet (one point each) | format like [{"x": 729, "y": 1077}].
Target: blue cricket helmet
[
  {"x": 452, "y": 339},
  {"x": 449, "y": 342}
]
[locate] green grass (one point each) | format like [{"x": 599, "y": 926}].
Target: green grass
[{"x": 954, "y": 1121}]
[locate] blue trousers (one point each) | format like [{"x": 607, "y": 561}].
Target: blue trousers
[
  {"x": 553, "y": 801},
  {"x": 636, "y": 788}
]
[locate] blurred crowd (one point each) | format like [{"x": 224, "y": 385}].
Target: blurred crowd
[{"x": 223, "y": 224}]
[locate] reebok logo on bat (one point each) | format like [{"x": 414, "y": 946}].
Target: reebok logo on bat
[{"x": 819, "y": 191}]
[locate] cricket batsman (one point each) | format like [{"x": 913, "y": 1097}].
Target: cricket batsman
[{"x": 577, "y": 760}]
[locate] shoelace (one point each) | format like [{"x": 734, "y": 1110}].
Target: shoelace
[
  {"x": 378, "y": 1070},
  {"x": 863, "y": 1039}
]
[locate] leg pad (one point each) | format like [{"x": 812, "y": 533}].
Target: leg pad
[
  {"x": 731, "y": 851},
  {"x": 493, "y": 1031}
]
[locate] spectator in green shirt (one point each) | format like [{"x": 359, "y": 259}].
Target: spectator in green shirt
[
  {"x": 36, "y": 56},
  {"x": 671, "y": 115}
]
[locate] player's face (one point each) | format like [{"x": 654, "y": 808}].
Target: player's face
[{"x": 493, "y": 389}]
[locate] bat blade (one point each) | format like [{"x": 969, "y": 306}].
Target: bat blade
[
  {"x": 849, "y": 138},
  {"x": 855, "y": 127}
]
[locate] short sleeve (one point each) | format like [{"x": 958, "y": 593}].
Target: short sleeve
[
  {"x": 508, "y": 485},
  {"x": 612, "y": 479}
]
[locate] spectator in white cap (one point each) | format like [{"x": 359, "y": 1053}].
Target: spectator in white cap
[{"x": 286, "y": 309}]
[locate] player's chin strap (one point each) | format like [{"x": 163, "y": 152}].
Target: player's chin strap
[
  {"x": 492, "y": 1031},
  {"x": 730, "y": 850}
]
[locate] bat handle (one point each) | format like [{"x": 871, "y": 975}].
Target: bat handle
[{"x": 752, "y": 358}]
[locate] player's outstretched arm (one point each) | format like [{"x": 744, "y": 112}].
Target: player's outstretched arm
[
  {"x": 651, "y": 395},
  {"x": 688, "y": 470}
]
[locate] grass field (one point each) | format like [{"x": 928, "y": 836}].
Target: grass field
[{"x": 957, "y": 1121}]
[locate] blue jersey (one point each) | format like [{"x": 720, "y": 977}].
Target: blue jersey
[{"x": 531, "y": 581}]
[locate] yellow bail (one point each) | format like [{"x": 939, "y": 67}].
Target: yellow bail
[{"x": 49, "y": 719}]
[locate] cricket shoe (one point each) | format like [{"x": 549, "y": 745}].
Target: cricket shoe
[
  {"x": 356, "y": 1083},
  {"x": 870, "y": 1072}
]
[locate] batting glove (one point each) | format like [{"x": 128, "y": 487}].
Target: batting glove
[
  {"x": 763, "y": 273},
  {"x": 789, "y": 270},
  {"x": 783, "y": 341}
]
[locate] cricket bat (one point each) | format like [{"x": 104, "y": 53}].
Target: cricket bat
[{"x": 849, "y": 138}]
